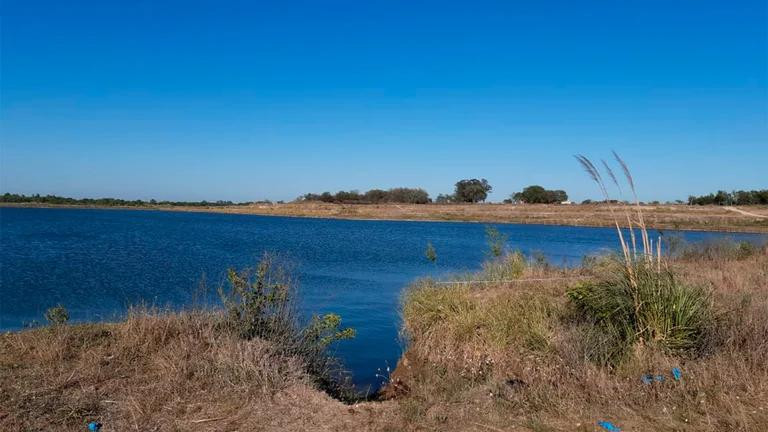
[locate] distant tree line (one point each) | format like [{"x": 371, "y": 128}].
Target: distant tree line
[
  {"x": 741, "y": 197},
  {"x": 536, "y": 194},
  {"x": 108, "y": 202},
  {"x": 373, "y": 196},
  {"x": 465, "y": 191}
]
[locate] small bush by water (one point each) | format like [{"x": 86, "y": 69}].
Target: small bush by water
[
  {"x": 261, "y": 303},
  {"x": 57, "y": 315}
]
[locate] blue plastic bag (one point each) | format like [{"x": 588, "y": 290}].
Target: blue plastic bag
[
  {"x": 677, "y": 374},
  {"x": 610, "y": 427}
]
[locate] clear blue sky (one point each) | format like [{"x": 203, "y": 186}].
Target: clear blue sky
[{"x": 248, "y": 100}]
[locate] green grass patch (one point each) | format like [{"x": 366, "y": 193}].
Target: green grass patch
[
  {"x": 645, "y": 306},
  {"x": 452, "y": 314}
]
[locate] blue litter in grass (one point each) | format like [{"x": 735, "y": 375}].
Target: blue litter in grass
[
  {"x": 94, "y": 426},
  {"x": 610, "y": 427},
  {"x": 677, "y": 374}
]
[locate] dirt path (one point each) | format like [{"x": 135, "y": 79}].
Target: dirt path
[{"x": 745, "y": 213}]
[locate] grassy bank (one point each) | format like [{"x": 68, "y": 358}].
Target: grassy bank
[
  {"x": 544, "y": 356},
  {"x": 707, "y": 218},
  {"x": 517, "y": 351},
  {"x": 253, "y": 364},
  {"x": 157, "y": 371}
]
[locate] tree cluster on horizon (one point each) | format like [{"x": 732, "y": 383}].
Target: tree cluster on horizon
[
  {"x": 107, "y": 202},
  {"x": 536, "y": 194},
  {"x": 465, "y": 191},
  {"x": 373, "y": 196},
  {"x": 752, "y": 197}
]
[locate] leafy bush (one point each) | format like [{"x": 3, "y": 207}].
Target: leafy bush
[
  {"x": 261, "y": 303},
  {"x": 57, "y": 315},
  {"x": 431, "y": 253},
  {"x": 645, "y": 306},
  {"x": 496, "y": 241}
]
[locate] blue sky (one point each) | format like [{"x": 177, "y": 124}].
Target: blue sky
[{"x": 251, "y": 100}]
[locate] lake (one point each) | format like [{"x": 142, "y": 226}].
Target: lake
[{"x": 99, "y": 262}]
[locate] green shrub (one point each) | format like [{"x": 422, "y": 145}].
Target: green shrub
[
  {"x": 496, "y": 241},
  {"x": 325, "y": 330},
  {"x": 431, "y": 253},
  {"x": 57, "y": 315},
  {"x": 261, "y": 303},
  {"x": 645, "y": 306}
]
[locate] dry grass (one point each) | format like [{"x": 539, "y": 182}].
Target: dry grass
[
  {"x": 517, "y": 358},
  {"x": 510, "y": 356},
  {"x": 158, "y": 371},
  {"x": 713, "y": 218},
  {"x": 500, "y": 355}
]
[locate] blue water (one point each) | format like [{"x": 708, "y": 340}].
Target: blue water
[{"x": 99, "y": 262}]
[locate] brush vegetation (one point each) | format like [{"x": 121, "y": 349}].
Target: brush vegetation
[
  {"x": 163, "y": 370},
  {"x": 559, "y": 349}
]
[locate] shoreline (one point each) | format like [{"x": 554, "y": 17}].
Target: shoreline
[{"x": 711, "y": 218}]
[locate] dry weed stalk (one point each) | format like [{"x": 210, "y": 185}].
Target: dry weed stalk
[{"x": 630, "y": 255}]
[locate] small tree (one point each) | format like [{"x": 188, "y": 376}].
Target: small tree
[
  {"x": 431, "y": 253},
  {"x": 496, "y": 241},
  {"x": 57, "y": 315},
  {"x": 472, "y": 190}
]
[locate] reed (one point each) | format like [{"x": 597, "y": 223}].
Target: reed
[{"x": 640, "y": 304}]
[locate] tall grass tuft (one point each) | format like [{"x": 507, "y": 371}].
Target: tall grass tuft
[
  {"x": 506, "y": 267},
  {"x": 654, "y": 309},
  {"x": 638, "y": 302}
]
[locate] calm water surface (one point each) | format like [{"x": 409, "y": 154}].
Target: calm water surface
[{"x": 98, "y": 262}]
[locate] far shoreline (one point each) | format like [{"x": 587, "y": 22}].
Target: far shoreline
[{"x": 659, "y": 217}]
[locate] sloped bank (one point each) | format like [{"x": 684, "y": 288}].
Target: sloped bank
[
  {"x": 163, "y": 371},
  {"x": 525, "y": 353},
  {"x": 514, "y": 352}
]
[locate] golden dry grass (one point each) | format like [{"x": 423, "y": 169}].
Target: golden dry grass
[
  {"x": 508, "y": 357},
  {"x": 499, "y": 356},
  {"x": 714, "y": 218},
  {"x": 160, "y": 372}
]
